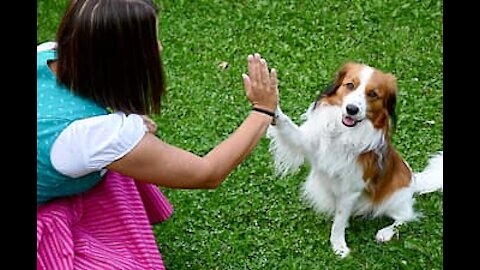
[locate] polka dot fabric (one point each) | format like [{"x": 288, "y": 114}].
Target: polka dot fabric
[{"x": 57, "y": 107}]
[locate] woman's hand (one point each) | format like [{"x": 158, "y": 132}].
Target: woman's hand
[
  {"x": 151, "y": 125},
  {"x": 260, "y": 85}
]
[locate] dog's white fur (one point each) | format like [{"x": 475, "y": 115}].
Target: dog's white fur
[
  {"x": 357, "y": 97},
  {"x": 335, "y": 185}
]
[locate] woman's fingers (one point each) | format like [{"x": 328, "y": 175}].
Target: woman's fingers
[
  {"x": 274, "y": 81},
  {"x": 247, "y": 83},
  {"x": 253, "y": 68},
  {"x": 265, "y": 78},
  {"x": 260, "y": 83},
  {"x": 258, "y": 70},
  {"x": 151, "y": 125}
]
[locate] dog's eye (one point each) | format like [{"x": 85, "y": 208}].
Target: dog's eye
[
  {"x": 349, "y": 86},
  {"x": 372, "y": 94}
]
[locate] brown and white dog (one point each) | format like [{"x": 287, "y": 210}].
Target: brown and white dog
[{"x": 355, "y": 169}]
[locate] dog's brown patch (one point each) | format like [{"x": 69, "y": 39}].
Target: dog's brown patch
[
  {"x": 383, "y": 180},
  {"x": 381, "y": 95}
]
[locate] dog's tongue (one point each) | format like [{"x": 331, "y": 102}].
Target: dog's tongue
[{"x": 348, "y": 121}]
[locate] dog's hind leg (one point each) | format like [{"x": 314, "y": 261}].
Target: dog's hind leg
[
  {"x": 386, "y": 234},
  {"x": 400, "y": 209}
]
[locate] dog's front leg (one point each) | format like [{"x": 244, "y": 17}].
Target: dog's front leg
[
  {"x": 287, "y": 130},
  {"x": 288, "y": 144},
  {"x": 343, "y": 209}
]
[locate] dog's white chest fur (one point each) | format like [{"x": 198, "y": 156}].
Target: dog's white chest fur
[
  {"x": 332, "y": 150},
  {"x": 333, "y": 155}
]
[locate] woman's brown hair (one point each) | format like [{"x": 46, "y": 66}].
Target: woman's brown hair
[{"x": 108, "y": 51}]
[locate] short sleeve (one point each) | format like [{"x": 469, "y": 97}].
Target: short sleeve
[
  {"x": 50, "y": 45},
  {"x": 93, "y": 143}
]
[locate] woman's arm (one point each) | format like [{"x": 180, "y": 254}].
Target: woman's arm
[{"x": 155, "y": 161}]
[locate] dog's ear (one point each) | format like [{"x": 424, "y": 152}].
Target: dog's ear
[
  {"x": 330, "y": 90},
  {"x": 391, "y": 99},
  {"x": 333, "y": 87}
]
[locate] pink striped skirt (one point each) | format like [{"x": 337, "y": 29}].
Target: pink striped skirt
[{"x": 108, "y": 227}]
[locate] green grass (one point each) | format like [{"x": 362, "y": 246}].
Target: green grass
[{"x": 255, "y": 220}]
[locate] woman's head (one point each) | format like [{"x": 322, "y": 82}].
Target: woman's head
[{"x": 108, "y": 51}]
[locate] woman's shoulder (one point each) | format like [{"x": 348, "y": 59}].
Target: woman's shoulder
[
  {"x": 46, "y": 46},
  {"x": 93, "y": 143},
  {"x": 45, "y": 51}
]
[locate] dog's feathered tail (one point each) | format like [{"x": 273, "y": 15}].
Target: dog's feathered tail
[{"x": 431, "y": 178}]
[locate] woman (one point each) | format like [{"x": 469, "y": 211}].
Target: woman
[{"x": 93, "y": 92}]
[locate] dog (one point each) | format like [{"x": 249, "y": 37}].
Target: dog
[{"x": 354, "y": 168}]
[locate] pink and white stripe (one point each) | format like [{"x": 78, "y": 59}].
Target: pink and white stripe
[{"x": 108, "y": 227}]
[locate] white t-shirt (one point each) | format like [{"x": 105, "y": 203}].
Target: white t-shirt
[{"x": 90, "y": 144}]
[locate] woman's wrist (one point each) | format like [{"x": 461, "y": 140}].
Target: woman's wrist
[{"x": 270, "y": 113}]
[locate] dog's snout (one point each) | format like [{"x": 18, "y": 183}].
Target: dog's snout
[{"x": 352, "y": 109}]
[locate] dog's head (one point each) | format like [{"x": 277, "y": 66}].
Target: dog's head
[{"x": 363, "y": 93}]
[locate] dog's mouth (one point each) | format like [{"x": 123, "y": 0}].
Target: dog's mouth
[{"x": 350, "y": 121}]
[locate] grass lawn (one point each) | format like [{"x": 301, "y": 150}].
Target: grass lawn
[{"x": 255, "y": 220}]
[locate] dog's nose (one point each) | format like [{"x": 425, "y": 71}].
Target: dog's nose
[{"x": 352, "y": 109}]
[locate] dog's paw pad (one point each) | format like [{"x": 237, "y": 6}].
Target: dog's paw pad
[
  {"x": 385, "y": 234},
  {"x": 341, "y": 250}
]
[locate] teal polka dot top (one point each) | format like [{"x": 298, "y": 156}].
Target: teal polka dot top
[{"x": 57, "y": 107}]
